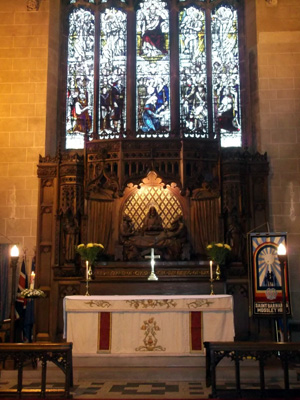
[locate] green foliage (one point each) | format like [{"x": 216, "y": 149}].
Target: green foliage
[
  {"x": 218, "y": 252},
  {"x": 89, "y": 251}
]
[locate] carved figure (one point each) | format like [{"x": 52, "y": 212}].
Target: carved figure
[
  {"x": 168, "y": 242},
  {"x": 127, "y": 228},
  {"x": 33, "y": 5},
  {"x": 152, "y": 221},
  {"x": 234, "y": 237},
  {"x": 71, "y": 235},
  {"x": 173, "y": 238}
]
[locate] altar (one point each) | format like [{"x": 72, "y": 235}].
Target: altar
[{"x": 170, "y": 325}]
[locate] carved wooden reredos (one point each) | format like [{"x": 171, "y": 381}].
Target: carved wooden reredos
[
  {"x": 202, "y": 193},
  {"x": 83, "y": 197},
  {"x": 151, "y": 193}
]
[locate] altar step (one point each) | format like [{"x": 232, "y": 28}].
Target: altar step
[{"x": 149, "y": 369}]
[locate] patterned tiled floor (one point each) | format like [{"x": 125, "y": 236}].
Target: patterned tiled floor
[
  {"x": 125, "y": 390},
  {"x": 144, "y": 390}
]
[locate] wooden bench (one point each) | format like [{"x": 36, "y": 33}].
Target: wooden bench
[
  {"x": 4, "y": 330},
  {"x": 287, "y": 353},
  {"x": 58, "y": 353}
]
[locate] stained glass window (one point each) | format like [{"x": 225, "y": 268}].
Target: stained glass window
[
  {"x": 153, "y": 69},
  {"x": 80, "y": 77},
  {"x": 225, "y": 75},
  {"x": 110, "y": 91},
  {"x": 112, "y": 74},
  {"x": 193, "y": 72}
]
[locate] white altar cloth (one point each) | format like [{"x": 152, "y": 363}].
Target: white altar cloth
[{"x": 147, "y": 325}]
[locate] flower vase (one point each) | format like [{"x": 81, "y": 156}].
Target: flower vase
[{"x": 218, "y": 272}]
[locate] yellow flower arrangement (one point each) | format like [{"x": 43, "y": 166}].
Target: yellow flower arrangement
[
  {"x": 218, "y": 252},
  {"x": 89, "y": 251},
  {"x": 32, "y": 293}
]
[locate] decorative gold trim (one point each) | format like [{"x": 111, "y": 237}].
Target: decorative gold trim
[
  {"x": 199, "y": 303},
  {"x": 150, "y": 340},
  {"x": 98, "y": 303},
  {"x": 152, "y": 304}
]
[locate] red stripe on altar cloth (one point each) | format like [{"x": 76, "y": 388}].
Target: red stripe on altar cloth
[
  {"x": 104, "y": 331},
  {"x": 196, "y": 331}
]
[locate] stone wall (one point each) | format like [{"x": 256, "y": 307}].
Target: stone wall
[
  {"x": 23, "y": 86},
  {"x": 278, "y": 55},
  {"x": 27, "y": 86}
]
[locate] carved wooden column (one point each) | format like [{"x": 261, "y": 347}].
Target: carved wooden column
[
  {"x": 258, "y": 168},
  {"x": 47, "y": 205},
  {"x": 245, "y": 197},
  {"x": 71, "y": 211}
]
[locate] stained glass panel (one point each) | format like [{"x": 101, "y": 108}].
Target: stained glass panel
[
  {"x": 193, "y": 73},
  {"x": 153, "y": 69},
  {"x": 152, "y": 78},
  {"x": 225, "y": 75},
  {"x": 80, "y": 77},
  {"x": 112, "y": 78}
]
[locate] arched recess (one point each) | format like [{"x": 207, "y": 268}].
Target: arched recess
[{"x": 152, "y": 192}]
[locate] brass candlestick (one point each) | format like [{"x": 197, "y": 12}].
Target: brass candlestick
[
  {"x": 218, "y": 272},
  {"x": 88, "y": 278},
  {"x": 211, "y": 286}
]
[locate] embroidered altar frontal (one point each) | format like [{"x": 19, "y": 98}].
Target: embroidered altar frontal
[{"x": 152, "y": 325}]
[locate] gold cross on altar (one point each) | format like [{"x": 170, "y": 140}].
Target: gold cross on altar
[{"x": 152, "y": 276}]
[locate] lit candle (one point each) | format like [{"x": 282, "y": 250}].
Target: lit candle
[
  {"x": 210, "y": 269},
  {"x": 32, "y": 279},
  {"x": 86, "y": 270}
]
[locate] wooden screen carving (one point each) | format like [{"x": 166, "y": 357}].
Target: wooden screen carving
[{"x": 166, "y": 204}]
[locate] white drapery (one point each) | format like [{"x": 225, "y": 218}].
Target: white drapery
[{"x": 146, "y": 325}]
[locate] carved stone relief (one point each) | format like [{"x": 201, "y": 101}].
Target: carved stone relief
[
  {"x": 33, "y": 5},
  {"x": 271, "y": 3},
  {"x": 68, "y": 290}
]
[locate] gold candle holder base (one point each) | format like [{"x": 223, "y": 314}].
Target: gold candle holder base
[
  {"x": 211, "y": 287},
  {"x": 218, "y": 272},
  {"x": 87, "y": 281}
]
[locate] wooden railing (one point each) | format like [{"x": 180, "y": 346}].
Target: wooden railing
[
  {"x": 287, "y": 353},
  {"x": 58, "y": 353}
]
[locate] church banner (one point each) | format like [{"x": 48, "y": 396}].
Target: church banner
[{"x": 266, "y": 276}]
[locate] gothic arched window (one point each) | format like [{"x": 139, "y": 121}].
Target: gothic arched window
[{"x": 152, "y": 67}]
